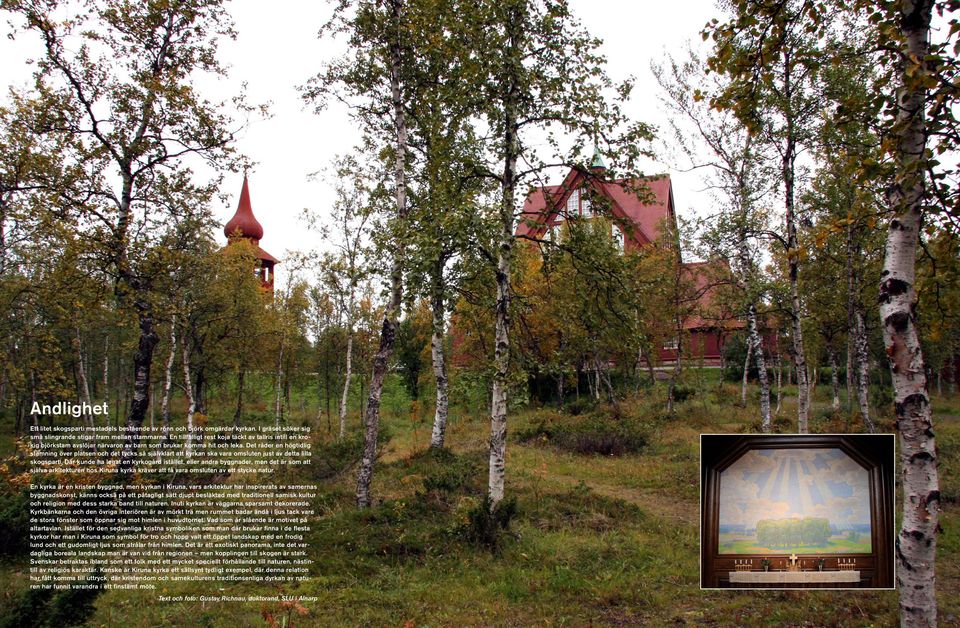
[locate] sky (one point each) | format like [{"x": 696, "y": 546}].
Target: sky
[
  {"x": 788, "y": 483},
  {"x": 277, "y": 50}
]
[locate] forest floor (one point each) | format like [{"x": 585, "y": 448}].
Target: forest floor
[{"x": 597, "y": 539}]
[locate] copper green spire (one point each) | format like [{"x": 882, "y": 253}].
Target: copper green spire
[{"x": 597, "y": 162}]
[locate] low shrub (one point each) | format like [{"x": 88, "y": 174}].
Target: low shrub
[
  {"x": 580, "y": 406},
  {"x": 55, "y": 609},
  {"x": 597, "y": 434},
  {"x": 451, "y": 474},
  {"x": 14, "y": 524},
  {"x": 333, "y": 458},
  {"x": 682, "y": 392},
  {"x": 488, "y": 526}
]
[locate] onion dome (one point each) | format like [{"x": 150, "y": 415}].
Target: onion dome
[{"x": 244, "y": 220}]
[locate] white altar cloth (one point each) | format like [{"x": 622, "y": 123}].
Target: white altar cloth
[{"x": 793, "y": 577}]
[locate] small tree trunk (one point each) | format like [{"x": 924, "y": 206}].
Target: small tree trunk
[
  {"x": 82, "y": 377},
  {"x": 200, "y": 386},
  {"x": 278, "y": 392},
  {"x": 191, "y": 401},
  {"x": 756, "y": 342},
  {"x": 168, "y": 380},
  {"x": 106, "y": 371},
  {"x": 596, "y": 378},
  {"x": 346, "y": 381},
  {"x": 834, "y": 378},
  {"x": 863, "y": 370},
  {"x": 439, "y": 366},
  {"x": 852, "y": 300},
  {"x": 674, "y": 377},
  {"x": 746, "y": 374},
  {"x": 33, "y": 396},
  {"x": 779, "y": 383},
  {"x": 142, "y": 361},
  {"x": 241, "y": 377}
]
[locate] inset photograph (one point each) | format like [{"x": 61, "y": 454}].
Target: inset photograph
[{"x": 791, "y": 511}]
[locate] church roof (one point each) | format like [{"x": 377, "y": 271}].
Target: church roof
[
  {"x": 646, "y": 202},
  {"x": 244, "y": 220}
]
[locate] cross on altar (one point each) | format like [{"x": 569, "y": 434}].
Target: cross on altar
[{"x": 793, "y": 560}]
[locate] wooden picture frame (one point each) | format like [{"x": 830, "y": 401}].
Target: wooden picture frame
[{"x": 874, "y": 452}]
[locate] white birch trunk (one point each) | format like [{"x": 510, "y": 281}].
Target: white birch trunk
[
  {"x": 191, "y": 402},
  {"x": 917, "y": 540},
  {"x": 508, "y": 185},
  {"x": 756, "y": 342},
  {"x": 852, "y": 300},
  {"x": 439, "y": 369},
  {"x": 106, "y": 372},
  {"x": 501, "y": 362},
  {"x": 82, "y": 377},
  {"x": 863, "y": 369},
  {"x": 793, "y": 255},
  {"x": 834, "y": 379},
  {"x": 596, "y": 378},
  {"x": 779, "y": 383},
  {"x": 746, "y": 374},
  {"x": 168, "y": 380},
  {"x": 278, "y": 393},
  {"x": 346, "y": 381}
]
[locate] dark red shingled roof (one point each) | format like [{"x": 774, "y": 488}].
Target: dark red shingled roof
[
  {"x": 645, "y": 202},
  {"x": 263, "y": 255},
  {"x": 244, "y": 220}
]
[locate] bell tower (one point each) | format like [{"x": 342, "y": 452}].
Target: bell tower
[{"x": 244, "y": 225}]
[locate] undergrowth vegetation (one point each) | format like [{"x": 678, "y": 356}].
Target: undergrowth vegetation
[{"x": 600, "y": 525}]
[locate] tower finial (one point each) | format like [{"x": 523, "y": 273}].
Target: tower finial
[{"x": 597, "y": 163}]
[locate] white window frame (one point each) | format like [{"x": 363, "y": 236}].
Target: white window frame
[
  {"x": 573, "y": 203},
  {"x": 618, "y": 238}
]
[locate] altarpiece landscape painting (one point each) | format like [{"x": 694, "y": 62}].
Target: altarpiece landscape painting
[{"x": 783, "y": 501}]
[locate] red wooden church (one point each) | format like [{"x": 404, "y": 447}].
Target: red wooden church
[
  {"x": 245, "y": 226},
  {"x": 641, "y": 212}
]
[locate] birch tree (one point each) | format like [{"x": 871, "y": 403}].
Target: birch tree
[
  {"x": 126, "y": 68},
  {"x": 715, "y": 139},
  {"x": 917, "y": 540},
  {"x": 344, "y": 272},
  {"x": 770, "y": 53},
  {"x": 543, "y": 75},
  {"x": 373, "y": 78}
]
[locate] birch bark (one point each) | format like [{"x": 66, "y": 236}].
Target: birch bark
[
  {"x": 834, "y": 379},
  {"x": 439, "y": 368},
  {"x": 82, "y": 377},
  {"x": 793, "y": 254},
  {"x": 191, "y": 402},
  {"x": 168, "y": 380},
  {"x": 508, "y": 184},
  {"x": 757, "y": 343},
  {"x": 917, "y": 540},
  {"x": 746, "y": 373},
  {"x": 344, "y": 396}
]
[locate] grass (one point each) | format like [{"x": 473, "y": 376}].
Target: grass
[{"x": 598, "y": 539}]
